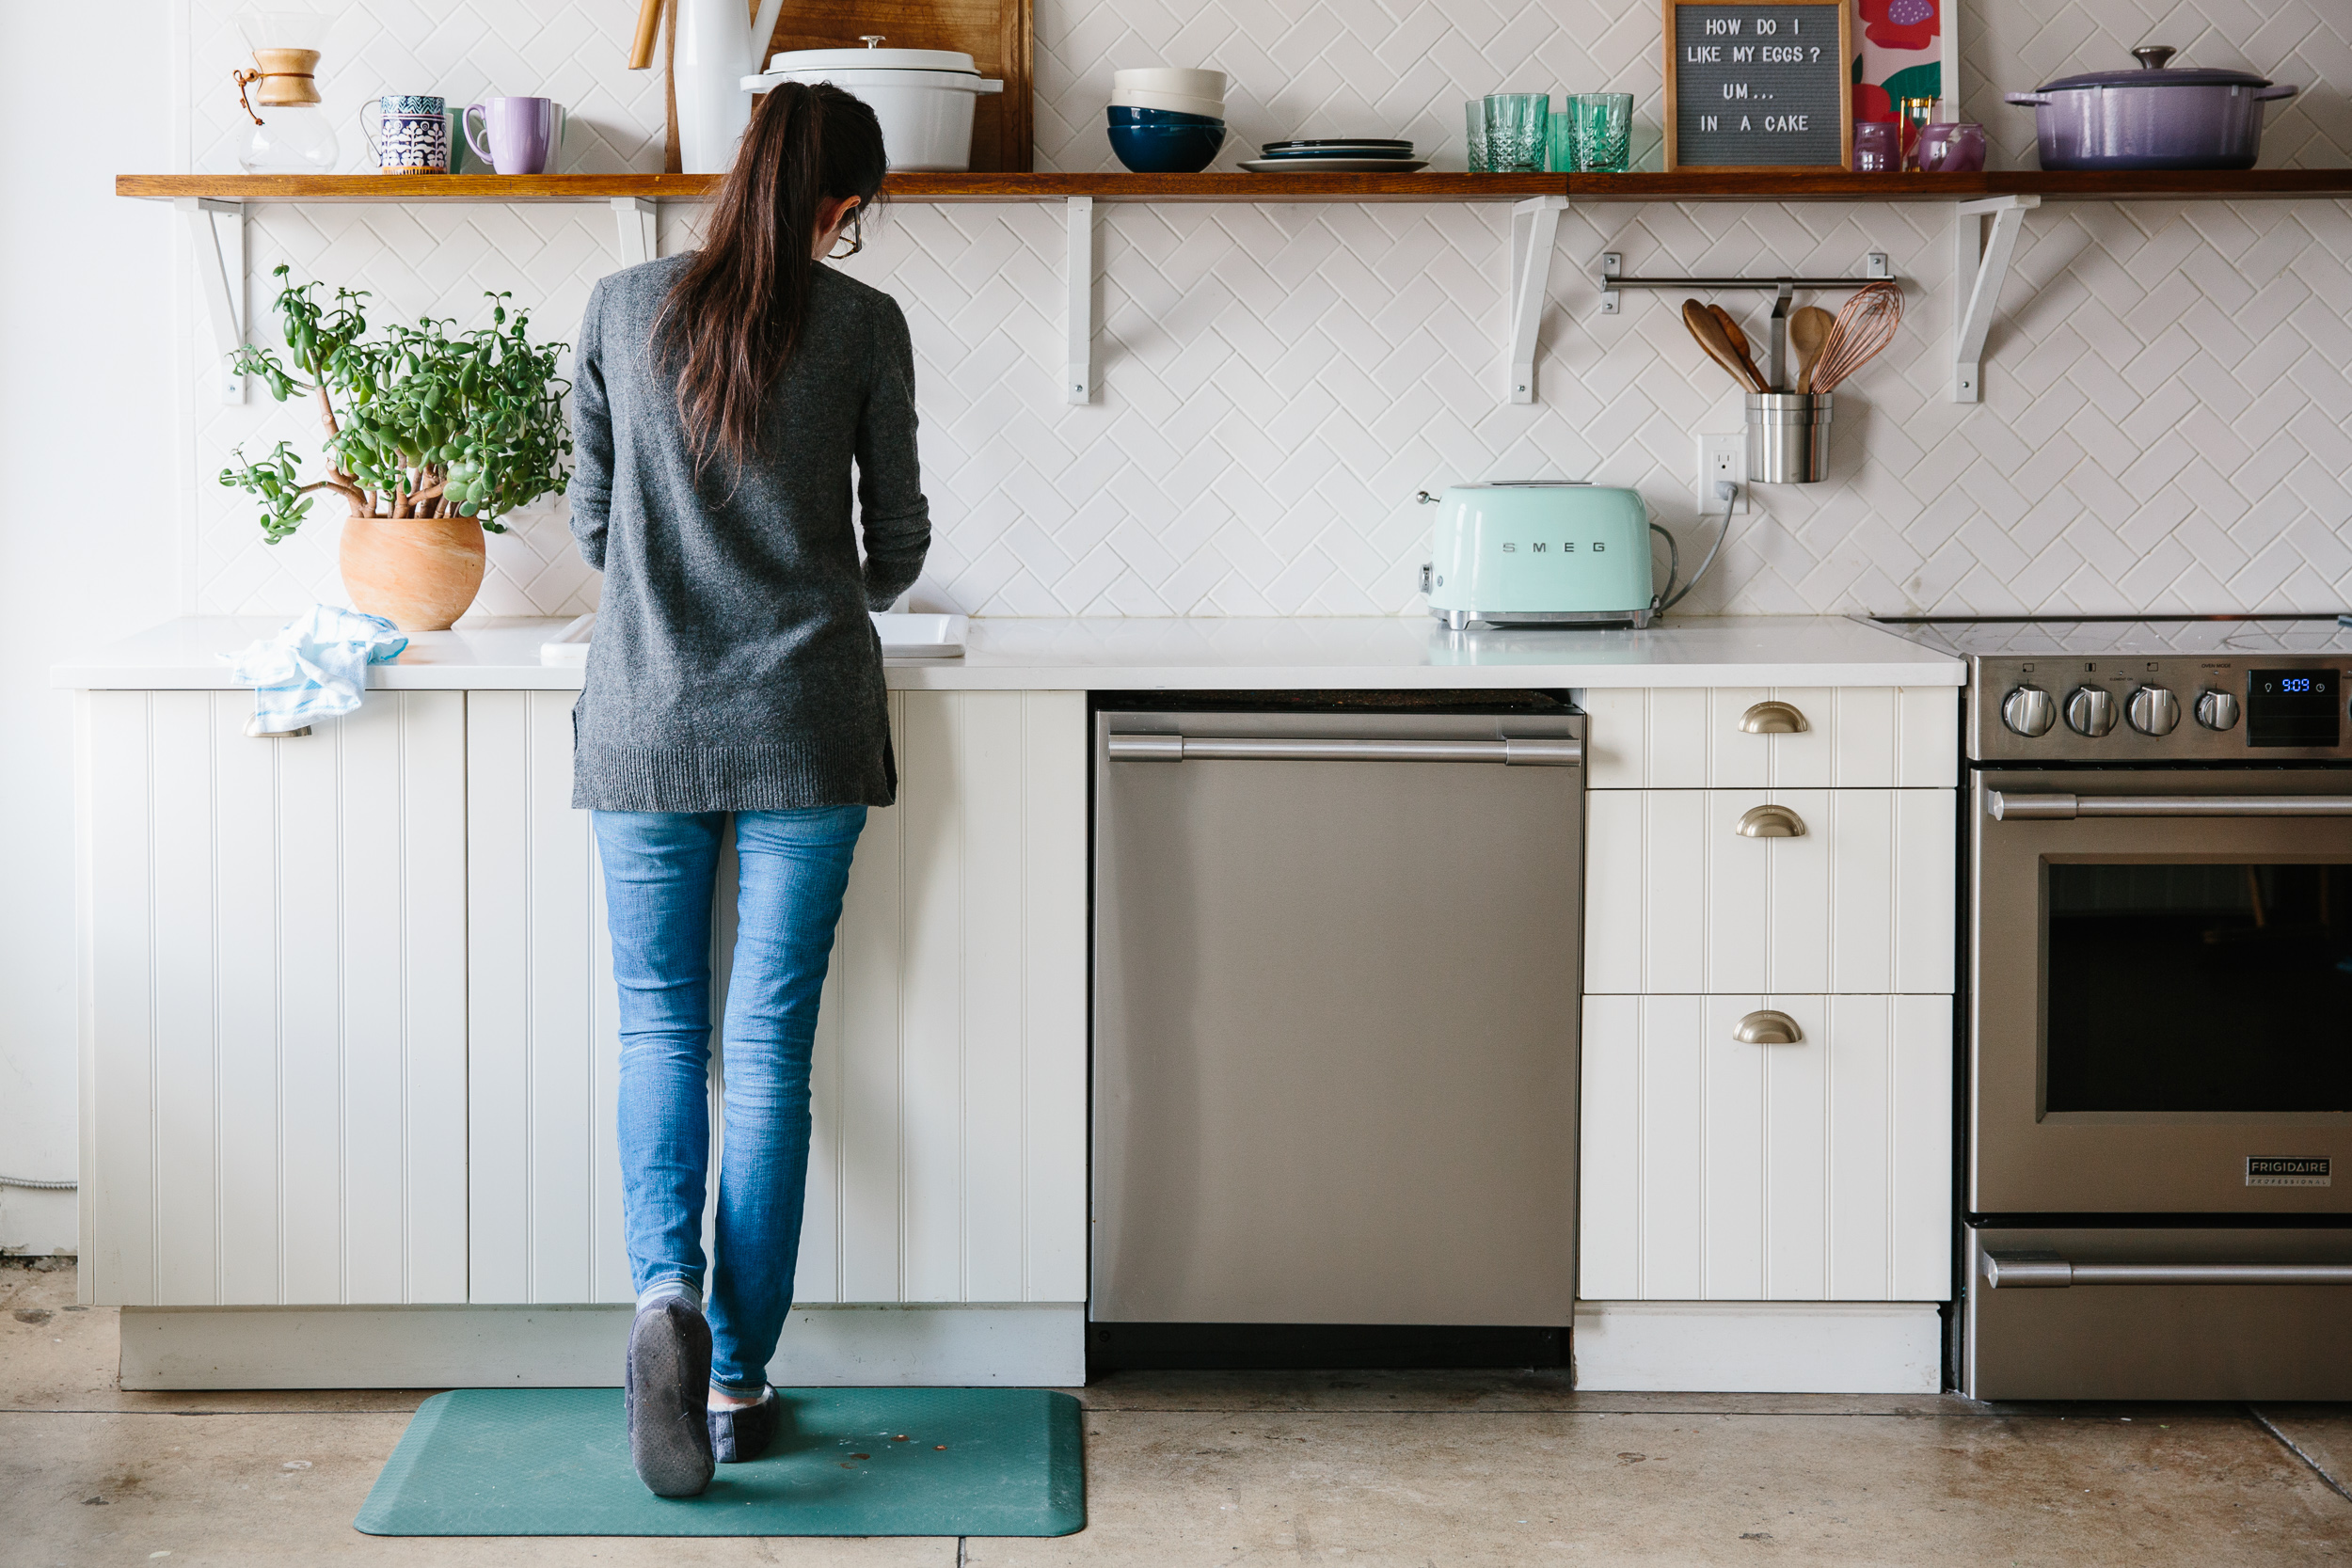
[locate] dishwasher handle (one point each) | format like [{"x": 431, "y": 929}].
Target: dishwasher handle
[
  {"x": 1547, "y": 751},
  {"x": 2047, "y": 1271}
]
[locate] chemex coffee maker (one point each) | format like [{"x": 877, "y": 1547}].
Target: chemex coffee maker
[{"x": 281, "y": 95}]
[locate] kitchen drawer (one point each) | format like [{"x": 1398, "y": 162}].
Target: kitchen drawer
[
  {"x": 1715, "y": 1170},
  {"x": 1856, "y": 737},
  {"x": 1677, "y": 900}
]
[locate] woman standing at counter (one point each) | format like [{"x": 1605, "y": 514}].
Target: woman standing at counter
[{"x": 722, "y": 400}]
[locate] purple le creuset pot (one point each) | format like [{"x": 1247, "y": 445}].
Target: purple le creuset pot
[{"x": 2150, "y": 117}]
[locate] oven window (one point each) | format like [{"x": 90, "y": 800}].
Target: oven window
[{"x": 2200, "y": 987}]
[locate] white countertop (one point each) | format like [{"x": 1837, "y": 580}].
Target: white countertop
[{"x": 1105, "y": 653}]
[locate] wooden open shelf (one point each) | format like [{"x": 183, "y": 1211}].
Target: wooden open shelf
[{"x": 1685, "y": 185}]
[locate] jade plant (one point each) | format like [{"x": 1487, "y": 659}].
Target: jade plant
[{"x": 420, "y": 422}]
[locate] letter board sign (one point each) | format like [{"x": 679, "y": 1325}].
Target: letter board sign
[{"x": 1758, "y": 87}]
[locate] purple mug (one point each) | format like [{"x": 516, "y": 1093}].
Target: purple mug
[{"x": 521, "y": 133}]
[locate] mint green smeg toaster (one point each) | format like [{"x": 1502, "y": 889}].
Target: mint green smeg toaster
[{"x": 1539, "y": 552}]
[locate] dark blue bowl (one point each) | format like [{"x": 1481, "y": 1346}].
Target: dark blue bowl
[
  {"x": 1167, "y": 149},
  {"x": 1122, "y": 115}
]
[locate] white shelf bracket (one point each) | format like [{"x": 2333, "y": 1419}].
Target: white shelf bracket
[
  {"x": 1979, "y": 268},
  {"x": 1078, "y": 310},
  {"x": 640, "y": 222},
  {"x": 220, "y": 278},
  {"x": 1534, "y": 227}
]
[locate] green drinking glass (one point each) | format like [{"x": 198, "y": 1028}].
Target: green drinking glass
[
  {"x": 1604, "y": 131},
  {"x": 1474, "y": 135},
  {"x": 1560, "y": 144},
  {"x": 1516, "y": 124}
]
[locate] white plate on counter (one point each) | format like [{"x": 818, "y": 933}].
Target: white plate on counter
[
  {"x": 1334, "y": 165},
  {"x": 903, "y": 636}
]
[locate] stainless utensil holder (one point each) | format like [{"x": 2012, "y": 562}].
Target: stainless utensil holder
[{"x": 1788, "y": 437}]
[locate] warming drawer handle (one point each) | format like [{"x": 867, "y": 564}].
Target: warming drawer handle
[
  {"x": 2007, "y": 807},
  {"x": 2047, "y": 1271},
  {"x": 1523, "y": 752}
]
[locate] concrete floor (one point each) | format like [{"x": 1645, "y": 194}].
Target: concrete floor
[{"x": 1414, "y": 1470}]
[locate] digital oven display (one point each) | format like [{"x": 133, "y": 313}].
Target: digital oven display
[{"x": 2294, "y": 707}]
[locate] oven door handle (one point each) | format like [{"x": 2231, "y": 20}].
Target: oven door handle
[
  {"x": 2007, "y": 806},
  {"x": 2047, "y": 1271}
]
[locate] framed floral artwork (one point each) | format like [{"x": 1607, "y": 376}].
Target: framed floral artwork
[{"x": 1905, "y": 49}]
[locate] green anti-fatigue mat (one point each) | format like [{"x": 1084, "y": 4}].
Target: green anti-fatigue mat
[{"x": 849, "y": 1462}]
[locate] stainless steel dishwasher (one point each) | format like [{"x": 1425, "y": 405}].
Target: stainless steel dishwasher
[{"x": 1337, "y": 984}]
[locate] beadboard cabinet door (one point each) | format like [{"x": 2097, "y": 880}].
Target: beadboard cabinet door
[
  {"x": 1715, "y": 1170},
  {"x": 947, "y": 1162},
  {"x": 1677, "y": 901},
  {"x": 274, "y": 951},
  {"x": 1856, "y": 737}
]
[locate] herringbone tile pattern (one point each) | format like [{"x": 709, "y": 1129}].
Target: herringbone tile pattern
[{"x": 2168, "y": 421}]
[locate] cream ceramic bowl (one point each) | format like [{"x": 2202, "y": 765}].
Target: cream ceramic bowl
[
  {"x": 1175, "y": 103},
  {"x": 1161, "y": 78}
]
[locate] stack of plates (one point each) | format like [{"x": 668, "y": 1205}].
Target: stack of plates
[{"x": 1337, "y": 155}]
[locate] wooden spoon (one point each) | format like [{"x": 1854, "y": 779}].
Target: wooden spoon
[
  {"x": 648, "y": 24},
  {"x": 1739, "y": 342},
  {"x": 1710, "y": 332},
  {"x": 1808, "y": 333}
]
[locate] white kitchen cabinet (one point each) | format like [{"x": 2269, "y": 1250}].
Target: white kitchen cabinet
[
  {"x": 1679, "y": 901},
  {"x": 1714, "y": 1171},
  {"x": 948, "y": 1158},
  {"x": 274, "y": 1095},
  {"x": 1856, "y": 737},
  {"x": 350, "y": 1017}
]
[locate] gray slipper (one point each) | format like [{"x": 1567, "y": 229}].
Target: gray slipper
[
  {"x": 669, "y": 1379},
  {"x": 738, "y": 1436}
]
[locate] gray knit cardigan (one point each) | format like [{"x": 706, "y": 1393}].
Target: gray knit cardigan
[{"x": 733, "y": 667}]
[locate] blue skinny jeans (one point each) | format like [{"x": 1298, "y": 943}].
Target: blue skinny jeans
[{"x": 660, "y": 870}]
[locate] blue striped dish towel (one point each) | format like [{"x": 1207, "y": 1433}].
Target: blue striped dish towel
[{"x": 315, "y": 667}]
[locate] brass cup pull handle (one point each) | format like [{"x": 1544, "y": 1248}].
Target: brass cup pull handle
[
  {"x": 254, "y": 732},
  {"x": 1770, "y": 822},
  {"x": 1772, "y": 718},
  {"x": 1768, "y": 1027}
]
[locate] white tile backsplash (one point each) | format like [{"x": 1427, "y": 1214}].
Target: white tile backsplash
[{"x": 2168, "y": 421}]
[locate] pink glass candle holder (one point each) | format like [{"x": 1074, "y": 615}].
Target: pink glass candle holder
[
  {"x": 1951, "y": 148},
  {"x": 1877, "y": 147}
]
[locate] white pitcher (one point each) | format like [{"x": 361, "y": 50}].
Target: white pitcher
[{"x": 715, "y": 52}]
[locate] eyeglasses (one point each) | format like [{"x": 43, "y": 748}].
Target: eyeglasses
[{"x": 855, "y": 234}]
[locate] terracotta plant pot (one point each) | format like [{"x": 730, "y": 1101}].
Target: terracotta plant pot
[{"x": 419, "y": 572}]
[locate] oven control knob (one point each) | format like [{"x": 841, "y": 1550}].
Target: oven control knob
[
  {"x": 2152, "y": 710},
  {"x": 2091, "y": 710},
  {"x": 2216, "y": 710},
  {"x": 2028, "y": 711}
]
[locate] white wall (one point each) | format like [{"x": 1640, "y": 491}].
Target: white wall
[
  {"x": 2168, "y": 420},
  {"x": 91, "y": 535}
]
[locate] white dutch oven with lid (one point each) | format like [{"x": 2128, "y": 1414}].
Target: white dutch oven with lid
[{"x": 923, "y": 97}]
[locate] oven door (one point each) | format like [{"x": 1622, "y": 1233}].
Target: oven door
[{"x": 2162, "y": 1009}]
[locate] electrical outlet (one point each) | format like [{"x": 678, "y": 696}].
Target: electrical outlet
[{"x": 1722, "y": 456}]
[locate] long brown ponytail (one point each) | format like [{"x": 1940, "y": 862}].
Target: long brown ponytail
[{"x": 733, "y": 319}]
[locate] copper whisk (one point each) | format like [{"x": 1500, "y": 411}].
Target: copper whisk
[{"x": 1864, "y": 328}]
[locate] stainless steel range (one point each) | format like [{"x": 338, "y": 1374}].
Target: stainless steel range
[{"x": 2160, "y": 1011}]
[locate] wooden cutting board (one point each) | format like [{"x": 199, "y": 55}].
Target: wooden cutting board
[{"x": 995, "y": 33}]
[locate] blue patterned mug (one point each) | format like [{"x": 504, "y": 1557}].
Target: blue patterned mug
[{"x": 408, "y": 132}]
